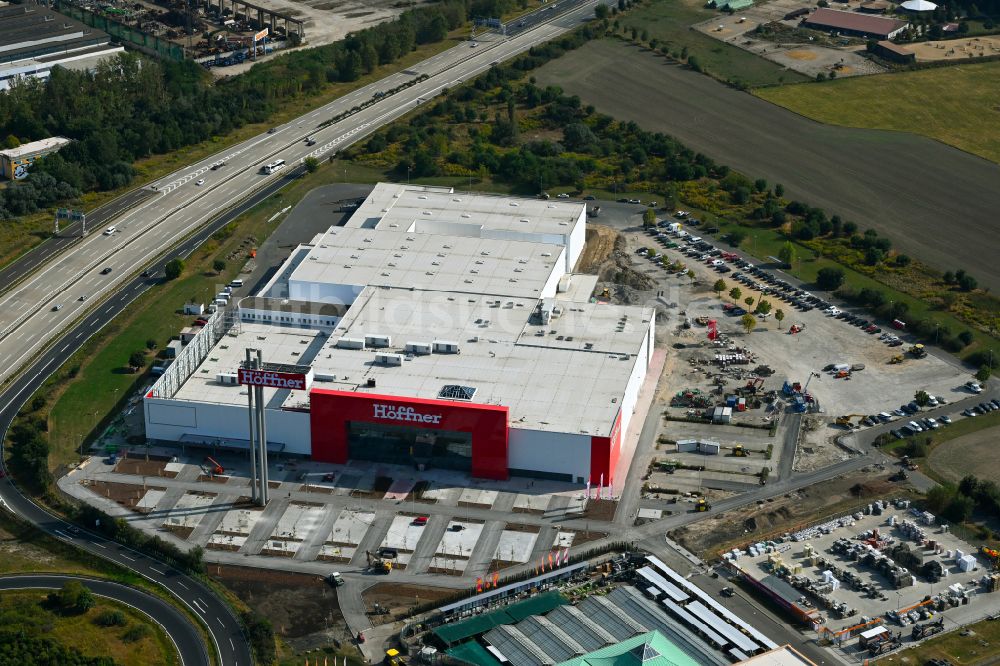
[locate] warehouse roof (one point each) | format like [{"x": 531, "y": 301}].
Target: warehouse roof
[
  {"x": 781, "y": 656},
  {"x": 42, "y": 145},
  {"x": 853, "y": 21},
  {"x": 442, "y": 210},
  {"x": 649, "y": 649},
  {"x": 393, "y": 258}
]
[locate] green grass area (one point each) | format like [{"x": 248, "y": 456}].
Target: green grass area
[
  {"x": 16, "y": 239},
  {"x": 670, "y": 21},
  {"x": 92, "y": 387},
  {"x": 765, "y": 243},
  {"x": 138, "y": 641},
  {"x": 955, "y": 105},
  {"x": 980, "y": 645}
]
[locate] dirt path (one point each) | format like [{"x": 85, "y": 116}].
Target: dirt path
[
  {"x": 900, "y": 184},
  {"x": 974, "y": 453}
]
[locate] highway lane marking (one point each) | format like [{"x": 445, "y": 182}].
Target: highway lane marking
[
  {"x": 99, "y": 545},
  {"x": 109, "y": 310},
  {"x": 183, "y": 585},
  {"x": 221, "y": 623},
  {"x": 162, "y": 573},
  {"x": 131, "y": 559},
  {"x": 41, "y": 372},
  {"x": 64, "y": 348},
  {"x": 232, "y": 645},
  {"x": 198, "y": 606}
]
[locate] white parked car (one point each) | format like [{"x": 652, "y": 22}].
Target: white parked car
[
  {"x": 201, "y": 181},
  {"x": 974, "y": 387}
]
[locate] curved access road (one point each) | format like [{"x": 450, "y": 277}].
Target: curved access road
[
  {"x": 184, "y": 635},
  {"x": 226, "y": 632}
]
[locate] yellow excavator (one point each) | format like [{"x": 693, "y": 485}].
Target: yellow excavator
[
  {"x": 846, "y": 419},
  {"x": 917, "y": 351},
  {"x": 739, "y": 451},
  {"x": 898, "y": 358},
  {"x": 378, "y": 564},
  {"x": 702, "y": 505}
]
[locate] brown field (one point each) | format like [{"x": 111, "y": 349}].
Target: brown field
[
  {"x": 935, "y": 202},
  {"x": 974, "y": 453}
]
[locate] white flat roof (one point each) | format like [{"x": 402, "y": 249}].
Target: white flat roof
[
  {"x": 35, "y": 147},
  {"x": 548, "y": 383},
  {"x": 400, "y": 206},
  {"x": 354, "y": 256}
]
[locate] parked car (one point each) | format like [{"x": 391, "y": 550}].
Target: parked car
[{"x": 944, "y": 420}]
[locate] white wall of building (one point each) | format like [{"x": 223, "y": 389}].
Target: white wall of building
[
  {"x": 279, "y": 318},
  {"x": 544, "y": 451},
  {"x": 631, "y": 395},
  {"x": 576, "y": 240},
  {"x": 173, "y": 419},
  {"x": 552, "y": 284},
  {"x": 318, "y": 292}
]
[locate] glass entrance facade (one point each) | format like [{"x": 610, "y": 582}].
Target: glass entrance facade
[{"x": 406, "y": 445}]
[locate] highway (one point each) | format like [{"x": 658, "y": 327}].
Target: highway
[
  {"x": 168, "y": 219},
  {"x": 55, "y": 284},
  {"x": 184, "y": 635}
]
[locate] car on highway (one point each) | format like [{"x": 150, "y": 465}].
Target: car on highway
[
  {"x": 272, "y": 130},
  {"x": 82, "y": 298},
  {"x": 635, "y": 201},
  {"x": 219, "y": 165},
  {"x": 473, "y": 45},
  {"x": 200, "y": 181},
  {"x": 148, "y": 273},
  {"x": 57, "y": 307},
  {"x": 106, "y": 270},
  {"x": 110, "y": 231}
]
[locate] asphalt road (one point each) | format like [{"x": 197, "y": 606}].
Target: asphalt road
[
  {"x": 69, "y": 234},
  {"x": 224, "y": 627},
  {"x": 51, "y": 295},
  {"x": 185, "y": 635}
]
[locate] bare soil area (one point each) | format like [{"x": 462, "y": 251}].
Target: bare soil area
[
  {"x": 296, "y": 604},
  {"x": 400, "y": 598},
  {"x": 788, "y": 513},
  {"x": 124, "y": 494},
  {"x": 878, "y": 179},
  {"x": 152, "y": 467}
]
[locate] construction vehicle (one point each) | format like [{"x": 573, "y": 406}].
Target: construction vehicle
[
  {"x": 606, "y": 293},
  {"x": 917, "y": 351},
  {"x": 739, "y": 451},
  {"x": 216, "y": 468},
  {"x": 393, "y": 658},
  {"x": 884, "y": 647},
  {"x": 845, "y": 420},
  {"x": 702, "y": 505},
  {"x": 378, "y": 564},
  {"x": 908, "y": 464},
  {"x": 921, "y": 631},
  {"x": 796, "y": 328},
  {"x": 335, "y": 579},
  {"x": 898, "y": 358}
]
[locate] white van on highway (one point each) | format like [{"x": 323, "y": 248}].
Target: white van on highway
[{"x": 110, "y": 231}]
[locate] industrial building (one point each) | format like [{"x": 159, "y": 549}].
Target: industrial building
[
  {"x": 433, "y": 329},
  {"x": 854, "y": 24},
  {"x": 34, "y": 39},
  {"x": 15, "y": 162},
  {"x": 661, "y": 618}
]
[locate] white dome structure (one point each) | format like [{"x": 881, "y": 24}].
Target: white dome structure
[{"x": 918, "y": 6}]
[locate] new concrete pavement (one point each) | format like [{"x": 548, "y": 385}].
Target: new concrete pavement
[{"x": 184, "y": 635}]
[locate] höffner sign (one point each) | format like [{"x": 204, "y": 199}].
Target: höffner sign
[
  {"x": 397, "y": 413},
  {"x": 282, "y": 380}
]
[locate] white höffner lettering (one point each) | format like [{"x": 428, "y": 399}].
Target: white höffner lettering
[
  {"x": 395, "y": 413},
  {"x": 270, "y": 379}
]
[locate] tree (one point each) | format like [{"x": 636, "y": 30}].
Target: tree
[
  {"x": 959, "y": 509},
  {"x": 173, "y": 269},
  {"x": 602, "y": 11},
  {"x": 648, "y": 217},
  {"x": 921, "y": 398},
  {"x": 948, "y": 277},
  {"x": 983, "y": 373},
  {"x": 967, "y": 283},
  {"x": 830, "y": 278},
  {"x": 779, "y": 190},
  {"x": 691, "y": 275},
  {"x": 137, "y": 359},
  {"x": 779, "y": 316},
  {"x": 735, "y": 293},
  {"x": 73, "y": 597},
  {"x": 749, "y": 301},
  {"x": 749, "y": 322},
  {"x": 719, "y": 286},
  {"x": 151, "y": 343},
  {"x": 311, "y": 164},
  {"x": 760, "y": 185},
  {"x": 694, "y": 63},
  {"x": 219, "y": 265},
  {"x": 786, "y": 254},
  {"x": 763, "y": 307},
  {"x": 735, "y": 237}
]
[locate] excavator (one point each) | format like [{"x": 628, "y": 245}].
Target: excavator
[
  {"x": 845, "y": 420},
  {"x": 702, "y": 505},
  {"x": 917, "y": 351},
  {"x": 214, "y": 465},
  {"x": 739, "y": 451},
  {"x": 378, "y": 564}
]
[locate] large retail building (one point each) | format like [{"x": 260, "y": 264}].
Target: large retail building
[{"x": 435, "y": 329}]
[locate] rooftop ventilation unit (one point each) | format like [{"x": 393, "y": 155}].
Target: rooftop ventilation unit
[
  {"x": 350, "y": 343},
  {"x": 445, "y": 347},
  {"x": 418, "y": 347},
  {"x": 385, "y": 358},
  {"x": 377, "y": 341}
]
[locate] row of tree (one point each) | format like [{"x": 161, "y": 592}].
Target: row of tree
[
  {"x": 957, "y": 503},
  {"x": 133, "y": 107}
]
